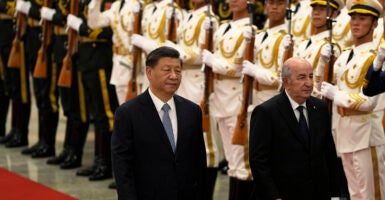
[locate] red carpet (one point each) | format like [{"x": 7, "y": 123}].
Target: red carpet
[{"x": 16, "y": 187}]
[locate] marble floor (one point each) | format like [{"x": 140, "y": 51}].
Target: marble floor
[{"x": 65, "y": 180}]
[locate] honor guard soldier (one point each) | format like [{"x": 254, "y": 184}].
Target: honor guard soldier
[
  {"x": 191, "y": 41},
  {"x": 157, "y": 17},
  {"x": 268, "y": 53},
  {"x": 225, "y": 102},
  {"x": 93, "y": 66},
  {"x": 27, "y": 43},
  {"x": 73, "y": 97},
  {"x": 44, "y": 83},
  {"x": 120, "y": 18},
  {"x": 317, "y": 49},
  {"x": 359, "y": 133},
  {"x": 7, "y": 32}
]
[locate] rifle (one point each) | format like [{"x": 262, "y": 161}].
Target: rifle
[
  {"x": 328, "y": 73},
  {"x": 42, "y": 57},
  {"x": 241, "y": 127},
  {"x": 171, "y": 25},
  {"x": 136, "y": 56},
  {"x": 289, "y": 12},
  {"x": 15, "y": 55},
  {"x": 209, "y": 76},
  {"x": 65, "y": 77}
]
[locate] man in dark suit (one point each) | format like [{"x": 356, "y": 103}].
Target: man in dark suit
[
  {"x": 292, "y": 153},
  {"x": 159, "y": 153}
]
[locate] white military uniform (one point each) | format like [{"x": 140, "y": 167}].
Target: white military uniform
[
  {"x": 225, "y": 102},
  {"x": 120, "y": 20},
  {"x": 191, "y": 39},
  {"x": 341, "y": 29},
  {"x": 311, "y": 51},
  {"x": 359, "y": 133},
  {"x": 269, "y": 55},
  {"x": 301, "y": 23},
  {"x": 154, "y": 28}
]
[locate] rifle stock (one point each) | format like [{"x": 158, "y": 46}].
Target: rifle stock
[
  {"x": 241, "y": 127},
  {"x": 40, "y": 70},
  {"x": 136, "y": 55},
  {"x": 65, "y": 77},
  {"x": 15, "y": 56},
  {"x": 328, "y": 74},
  {"x": 241, "y": 131},
  {"x": 171, "y": 35},
  {"x": 209, "y": 81}
]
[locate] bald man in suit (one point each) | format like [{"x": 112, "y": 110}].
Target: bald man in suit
[{"x": 292, "y": 153}]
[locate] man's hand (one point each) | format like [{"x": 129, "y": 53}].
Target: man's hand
[
  {"x": 207, "y": 58},
  {"x": 328, "y": 90},
  {"x": 135, "y": 7},
  {"x": 326, "y": 52},
  {"x": 247, "y": 33},
  {"x": 23, "y": 6},
  {"x": 249, "y": 68},
  {"x": 379, "y": 60},
  {"x": 47, "y": 13},
  {"x": 207, "y": 23},
  {"x": 286, "y": 42},
  {"x": 74, "y": 22}
]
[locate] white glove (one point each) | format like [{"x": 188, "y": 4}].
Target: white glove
[
  {"x": 93, "y": 3},
  {"x": 208, "y": 58},
  {"x": 249, "y": 68},
  {"x": 286, "y": 42},
  {"x": 74, "y": 22},
  {"x": 23, "y": 6},
  {"x": 379, "y": 60},
  {"x": 326, "y": 52},
  {"x": 47, "y": 13},
  {"x": 247, "y": 33},
  {"x": 328, "y": 90},
  {"x": 170, "y": 11},
  {"x": 135, "y": 7},
  {"x": 143, "y": 43},
  {"x": 206, "y": 23}
]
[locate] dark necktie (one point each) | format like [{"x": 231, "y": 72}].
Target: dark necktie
[
  {"x": 264, "y": 36},
  {"x": 168, "y": 126},
  {"x": 189, "y": 18},
  {"x": 227, "y": 29},
  {"x": 351, "y": 54},
  {"x": 303, "y": 128},
  {"x": 308, "y": 44}
]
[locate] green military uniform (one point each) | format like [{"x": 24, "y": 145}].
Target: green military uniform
[
  {"x": 94, "y": 64},
  {"x": 6, "y": 35},
  {"x": 72, "y": 99}
]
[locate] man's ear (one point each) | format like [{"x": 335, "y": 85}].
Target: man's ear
[{"x": 148, "y": 72}]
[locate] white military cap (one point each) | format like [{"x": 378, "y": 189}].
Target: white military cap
[
  {"x": 369, "y": 7},
  {"x": 336, "y": 4}
]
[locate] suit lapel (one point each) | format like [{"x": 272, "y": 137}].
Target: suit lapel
[
  {"x": 287, "y": 112},
  {"x": 313, "y": 118},
  {"x": 150, "y": 111},
  {"x": 180, "y": 121}
]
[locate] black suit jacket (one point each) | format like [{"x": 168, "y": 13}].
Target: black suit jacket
[
  {"x": 376, "y": 82},
  {"x": 145, "y": 167},
  {"x": 283, "y": 165}
]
